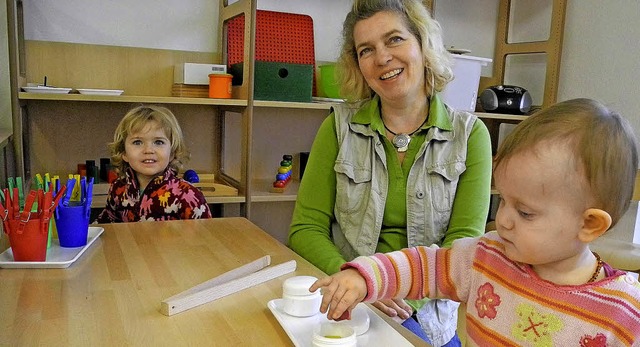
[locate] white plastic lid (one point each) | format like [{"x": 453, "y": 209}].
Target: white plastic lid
[
  {"x": 298, "y": 285},
  {"x": 359, "y": 319}
]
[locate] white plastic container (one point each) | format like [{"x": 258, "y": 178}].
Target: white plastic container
[
  {"x": 297, "y": 300},
  {"x": 462, "y": 92},
  {"x": 334, "y": 334},
  {"x": 197, "y": 74},
  {"x": 360, "y": 320}
]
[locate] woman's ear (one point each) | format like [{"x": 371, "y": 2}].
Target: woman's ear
[{"x": 595, "y": 223}]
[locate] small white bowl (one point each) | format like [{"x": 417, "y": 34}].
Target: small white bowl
[
  {"x": 297, "y": 300},
  {"x": 334, "y": 334}
]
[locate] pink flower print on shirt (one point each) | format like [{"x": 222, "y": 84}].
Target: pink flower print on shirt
[
  {"x": 190, "y": 198},
  {"x": 145, "y": 204},
  {"x": 597, "y": 341},
  {"x": 535, "y": 327},
  {"x": 174, "y": 187},
  {"x": 487, "y": 301}
]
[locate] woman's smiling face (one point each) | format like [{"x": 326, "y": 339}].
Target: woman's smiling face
[{"x": 390, "y": 57}]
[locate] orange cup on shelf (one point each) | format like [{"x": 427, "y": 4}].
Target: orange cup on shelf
[{"x": 220, "y": 86}]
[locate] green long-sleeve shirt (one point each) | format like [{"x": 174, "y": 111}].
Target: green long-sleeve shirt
[{"x": 310, "y": 233}]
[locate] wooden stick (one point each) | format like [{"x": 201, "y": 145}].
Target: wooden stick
[
  {"x": 225, "y": 284},
  {"x": 228, "y": 276}
]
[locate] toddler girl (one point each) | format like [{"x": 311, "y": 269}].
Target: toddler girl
[
  {"x": 147, "y": 150},
  {"x": 565, "y": 176}
]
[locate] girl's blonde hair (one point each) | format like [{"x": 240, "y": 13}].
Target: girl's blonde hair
[
  {"x": 602, "y": 141},
  {"x": 135, "y": 120},
  {"x": 416, "y": 17}
]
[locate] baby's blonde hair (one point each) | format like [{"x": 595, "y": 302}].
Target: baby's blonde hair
[
  {"x": 602, "y": 141},
  {"x": 135, "y": 120}
]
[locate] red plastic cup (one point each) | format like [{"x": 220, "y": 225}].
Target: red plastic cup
[{"x": 31, "y": 244}]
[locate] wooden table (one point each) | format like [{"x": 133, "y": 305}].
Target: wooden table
[{"x": 111, "y": 295}]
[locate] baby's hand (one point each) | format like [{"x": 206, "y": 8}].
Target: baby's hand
[{"x": 341, "y": 292}]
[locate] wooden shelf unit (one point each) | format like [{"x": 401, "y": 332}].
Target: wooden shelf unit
[
  {"x": 552, "y": 47},
  {"x": 146, "y": 75}
]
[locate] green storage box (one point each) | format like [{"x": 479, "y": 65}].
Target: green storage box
[{"x": 278, "y": 81}]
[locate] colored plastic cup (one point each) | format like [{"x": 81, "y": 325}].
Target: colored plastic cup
[
  {"x": 220, "y": 86},
  {"x": 328, "y": 82},
  {"x": 72, "y": 224},
  {"x": 31, "y": 244}
]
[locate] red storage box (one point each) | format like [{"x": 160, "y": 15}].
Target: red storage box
[{"x": 280, "y": 37}]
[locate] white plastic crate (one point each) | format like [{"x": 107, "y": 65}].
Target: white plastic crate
[{"x": 462, "y": 92}]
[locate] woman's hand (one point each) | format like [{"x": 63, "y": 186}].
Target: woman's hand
[
  {"x": 395, "y": 308},
  {"x": 341, "y": 292}
]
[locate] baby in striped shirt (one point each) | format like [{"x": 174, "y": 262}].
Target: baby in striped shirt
[{"x": 565, "y": 176}]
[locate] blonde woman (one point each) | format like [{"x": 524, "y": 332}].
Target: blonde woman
[{"x": 395, "y": 167}]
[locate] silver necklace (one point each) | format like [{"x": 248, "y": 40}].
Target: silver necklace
[{"x": 401, "y": 141}]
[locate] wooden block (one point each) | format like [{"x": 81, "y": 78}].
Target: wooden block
[
  {"x": 189, "y": 91},
  {"x": 228, "y": 283},
  {"x": 207, "y": 177}
]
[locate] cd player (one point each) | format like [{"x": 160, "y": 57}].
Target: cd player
[{"x": 506, "y": 99}]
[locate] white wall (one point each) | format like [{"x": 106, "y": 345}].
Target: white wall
[
  {"x": 189, "y": 25},
  {"x": 600, "y": 55},
  {"x": 476, "y": 32}
]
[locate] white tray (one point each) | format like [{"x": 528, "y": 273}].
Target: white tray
[
  {"x": 100, "y": 91},
  {"x": 57, "y": 257},
  {"x": 300, "y": 330},
  {"x": 47, "y": 90}
]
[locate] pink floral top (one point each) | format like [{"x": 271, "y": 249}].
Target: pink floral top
[
  {"x": 507, "y": 304},
  {"x": 166, "y": 197}
]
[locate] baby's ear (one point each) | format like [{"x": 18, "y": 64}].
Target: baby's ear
[{"x": 595, "y": 223}]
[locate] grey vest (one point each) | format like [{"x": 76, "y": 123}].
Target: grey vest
[
  {"x": 362, "y": 182},
  {"x": 361, "y": 193}
]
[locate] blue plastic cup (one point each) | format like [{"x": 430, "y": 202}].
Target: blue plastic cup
[{"x": 72, "y": 223}]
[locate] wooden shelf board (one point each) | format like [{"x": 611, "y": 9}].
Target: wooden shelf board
[
  {"x": 261, "y": 191},
  {"x": 500, "y": 116},
  {"x": 289, "y": 104},
  {"x": 99, "y": 200},
  {"x": 132, "y": 99},
  {"x": 100, "y": 191}
]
